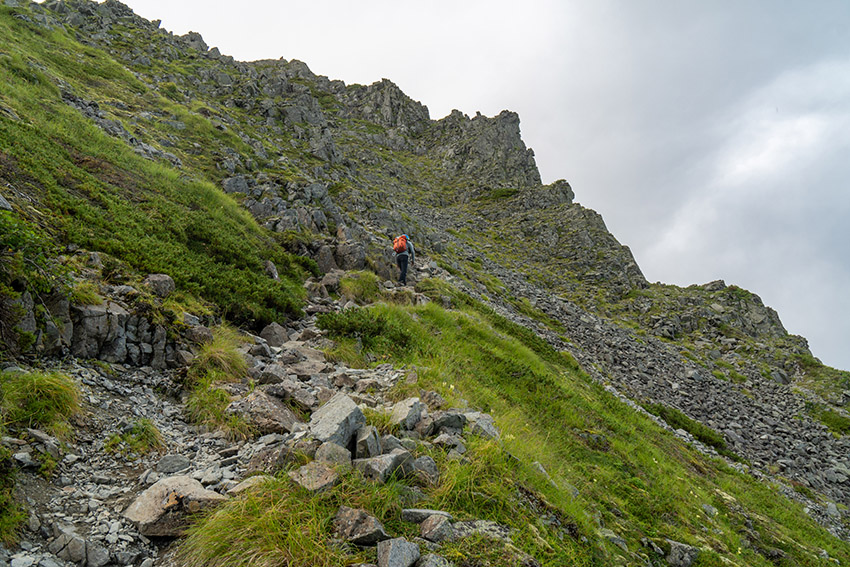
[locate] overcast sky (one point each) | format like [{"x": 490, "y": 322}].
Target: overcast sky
[{"x": 713, "y": 137}]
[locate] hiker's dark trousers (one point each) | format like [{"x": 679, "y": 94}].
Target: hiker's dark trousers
[{"x": 401, "y": 260}]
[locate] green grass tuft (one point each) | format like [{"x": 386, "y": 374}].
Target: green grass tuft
[
  {"x": 143, "y": 437},
  {"x": 39, "y": 400}
]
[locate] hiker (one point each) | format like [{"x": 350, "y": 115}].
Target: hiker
[{"x": 403, "y": 250}]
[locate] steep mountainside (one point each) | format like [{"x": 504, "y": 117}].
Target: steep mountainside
[{"x": 152, "y": 187}]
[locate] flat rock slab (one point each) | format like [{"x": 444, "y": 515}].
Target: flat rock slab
[
  {"x": 315, "y": 477},
  {"x": 419, "y": 515},
  {"x": 165, "y": 508},
  {"x": 484, "y": 528},
  {"x": 171, "y": 464},
  {"x": 434, "y": 560}
]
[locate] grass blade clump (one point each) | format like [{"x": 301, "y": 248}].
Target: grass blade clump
[
  {"x": 12, "y": 514},
  {"x": 39, "y": 399},
  {"x": 219, "y": 358},
  {"x": 143, "y": 437},
  {"x": 218, "y": 361}
]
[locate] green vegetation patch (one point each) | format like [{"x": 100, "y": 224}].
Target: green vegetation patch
[
  {"x": 94, "y": 191},
  {"x": 678, "y": 420},
  {"x": 836, "y": 422},
  {"x": 12, "y": 515},
  {"x": 217, "y": 361},
  {"x": 140, "y": 438},
  {"x": 39, "y": 400},
  {"x": 625, "y": 471}
]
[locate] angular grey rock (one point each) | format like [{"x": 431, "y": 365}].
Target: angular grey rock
[
  {"x": 681, "y": 555},
  {"x": 171, "y": 464},
  {"x": 271, "y": 270},
  {"x": 4, "y": 204},
  {"x": 330, "y": 453},
  {"x": 614, "y": 538},
  {"x": 482, "y": 424},
  {"x": 195, "y": 41},
  {"x": 161, "y": 285},
  {"x": 67, "y": 544},
  {"x": 265, "y": 413},
  {"x": 274, "y": 374},
  {"x": 358, "y": 527},
  {"x": 407, "y": 413},
  {"x": 290, "y": 391},
  {"x": 350, "y": 256},
  {"x": 451, "y": 419},
  {"x": 390, "y": 442},
  {"x": 437, "y": 528},
  {"x": 96, "y": 556},
  {"x": 368, "y": 443},
  {"x": 426, "y": 470},
  {"x": 99, "y": 328},
  {"x": 275, "y": 334},
  {"x": 165, "y": 508},
  {"x": 325, "y": 260},
  {"x": 199, "y": 334},
  {"x": 337, "y": 420},
  {"x": 315, "y": 477},
  {"x": 381, "y": 468},
  {"x": 433, "y": 400},
  {"x": 397, "y": 552}
]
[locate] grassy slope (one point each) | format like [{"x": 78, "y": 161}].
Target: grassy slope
[
  {"x": 631, "y": 476},
  {"x": 93, "y": 190}
]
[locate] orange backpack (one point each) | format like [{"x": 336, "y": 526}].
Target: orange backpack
[{"x": 400, "y": 244}]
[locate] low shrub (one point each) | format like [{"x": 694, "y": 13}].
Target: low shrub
[
  {"x": 677, "y": 420},
  {"x": 375, "y": 329},
  {"x": 836, "y": 422},
  {"x": 362, "y": 287}
]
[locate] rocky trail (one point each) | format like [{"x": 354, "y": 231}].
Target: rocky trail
[{"x": 103, "y": 506}]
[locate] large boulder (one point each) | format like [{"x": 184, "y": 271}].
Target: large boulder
[
  {"x": 162, "y": 285},
  {"x": 264, "y": 412},
  {"x": 274, "y": 334},
  {"x": 165, "y": 508},
  {"x": 337, "y": 420}
]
